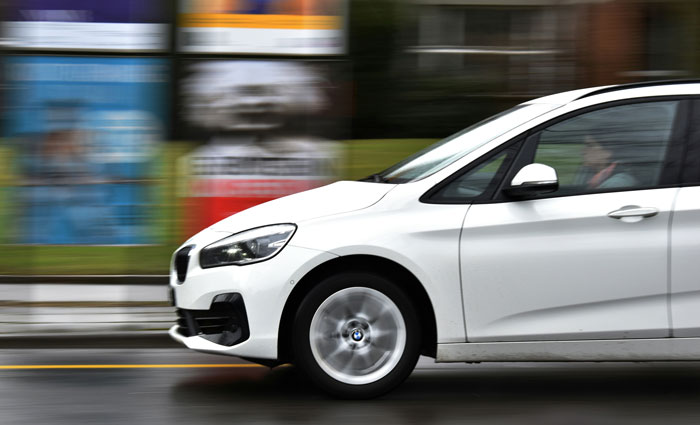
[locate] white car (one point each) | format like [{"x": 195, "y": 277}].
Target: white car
[{"x": 564, "y": 229}]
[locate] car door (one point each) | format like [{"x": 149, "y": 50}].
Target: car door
[
  {"x": 685, "y": 240},
  {"x": 588, "y": 261}
]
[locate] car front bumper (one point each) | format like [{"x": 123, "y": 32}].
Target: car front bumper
[{"x": 262, "y": 289}]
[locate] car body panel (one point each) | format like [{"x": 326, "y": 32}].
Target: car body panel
[
  {"x": 611, "y": 350},
  {"x": 685, "y": 267},
  {"x": 560, "y": 268},
  {"x": 336, "y": 198},
  {"x": 422, "y": 238}
]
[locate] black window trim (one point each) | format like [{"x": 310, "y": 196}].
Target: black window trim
[
  {"x": 690, "y": 175},
  {"x": 676, "y": 149},
  {"x": 428, "y": 197}
]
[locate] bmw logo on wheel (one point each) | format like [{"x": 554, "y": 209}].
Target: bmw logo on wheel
[{"x": 357, "y": 335}]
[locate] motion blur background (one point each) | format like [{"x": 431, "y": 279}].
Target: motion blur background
[{"x": 125, "y": 127}]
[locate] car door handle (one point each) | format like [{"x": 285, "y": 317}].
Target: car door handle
[{"x": 633, "y": 211}]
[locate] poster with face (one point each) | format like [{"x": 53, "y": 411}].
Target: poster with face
[
  {"x": 85, "y": 132},
  {"x": 124, "y": 25},
  {"x": 260, "y": 127},
  {"x": 276, "y": 27}
]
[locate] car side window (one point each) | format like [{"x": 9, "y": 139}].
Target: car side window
[
  {"x": 620, "y": 147},
  {"x": 479, "y": 181}
]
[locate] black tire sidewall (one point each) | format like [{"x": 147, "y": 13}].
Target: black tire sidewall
[{"x": 302, "y": 349}]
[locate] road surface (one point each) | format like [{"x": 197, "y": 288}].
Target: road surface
[{"x": 176, "y": 386}]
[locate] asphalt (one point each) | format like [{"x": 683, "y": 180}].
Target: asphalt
[{"x": 158, "y": 386}]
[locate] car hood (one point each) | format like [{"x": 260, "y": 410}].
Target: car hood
[{"x": 335, "y": 198}]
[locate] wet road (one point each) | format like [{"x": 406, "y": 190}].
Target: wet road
[{"x": 175, "y": 386}]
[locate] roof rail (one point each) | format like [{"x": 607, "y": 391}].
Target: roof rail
[{"x": 639, "y": 85}]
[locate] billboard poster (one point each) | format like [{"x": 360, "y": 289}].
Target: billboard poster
[
  {"x": 259, "y": 124},
  {"x": 124, "y": 25},
  {"x": 272, "y": 27},
  {"x": 85, "y": 131}
]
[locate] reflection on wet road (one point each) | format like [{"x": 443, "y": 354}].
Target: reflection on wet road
[{"x": 182, "y": 391}]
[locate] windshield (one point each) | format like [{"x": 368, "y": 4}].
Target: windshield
[{"x": 443, "y": 153}]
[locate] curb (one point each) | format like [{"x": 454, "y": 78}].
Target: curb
[
  {"x": 156, "y": 279},
  {"x": 144, "y": 339}
]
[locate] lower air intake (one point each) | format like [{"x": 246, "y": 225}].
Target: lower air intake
[{"x": 225, "y": 323}]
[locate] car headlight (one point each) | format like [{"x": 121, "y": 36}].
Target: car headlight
[{"x": 250, "y": 246}]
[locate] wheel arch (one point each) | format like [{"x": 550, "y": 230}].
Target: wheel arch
[{"x": 368, "y": 263}]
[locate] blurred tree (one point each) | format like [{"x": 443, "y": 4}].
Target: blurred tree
[
  {"x": 373, "y": 34},
  {"x": 394, "y": 96}
]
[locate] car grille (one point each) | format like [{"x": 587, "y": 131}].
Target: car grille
[
  {"x": 225, "y": 323},
  {"x": 182, "y": 261}
]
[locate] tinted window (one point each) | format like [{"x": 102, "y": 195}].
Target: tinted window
[
  {"x": 477, "y": 182},
  {"x": 620, "y": 147}
]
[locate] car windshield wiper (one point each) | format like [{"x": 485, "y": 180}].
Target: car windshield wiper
[{"x": 375, "y": 178}]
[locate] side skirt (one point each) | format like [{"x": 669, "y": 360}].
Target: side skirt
[{"x": 629, "y": 350}]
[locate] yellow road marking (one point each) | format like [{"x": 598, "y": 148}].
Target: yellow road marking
[{"x": 124, "y": 366}]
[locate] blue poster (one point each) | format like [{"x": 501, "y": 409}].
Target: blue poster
[{"x": 87, "y": 130}]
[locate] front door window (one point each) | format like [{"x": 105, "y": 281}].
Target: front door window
[{"x": 621, "y": 147}]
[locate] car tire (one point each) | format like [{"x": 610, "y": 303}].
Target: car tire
[{"x": 356, "y": 335}]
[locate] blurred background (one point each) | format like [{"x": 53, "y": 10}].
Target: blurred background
[{"x": 126, "y": 127}]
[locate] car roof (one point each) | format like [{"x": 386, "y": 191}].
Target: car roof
[{"x": 623, "y": 91}]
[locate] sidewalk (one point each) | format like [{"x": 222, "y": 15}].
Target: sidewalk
[{"x": 85, "y": 311}]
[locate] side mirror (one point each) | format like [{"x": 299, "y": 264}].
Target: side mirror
[{"x": 533, "y": 180}]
